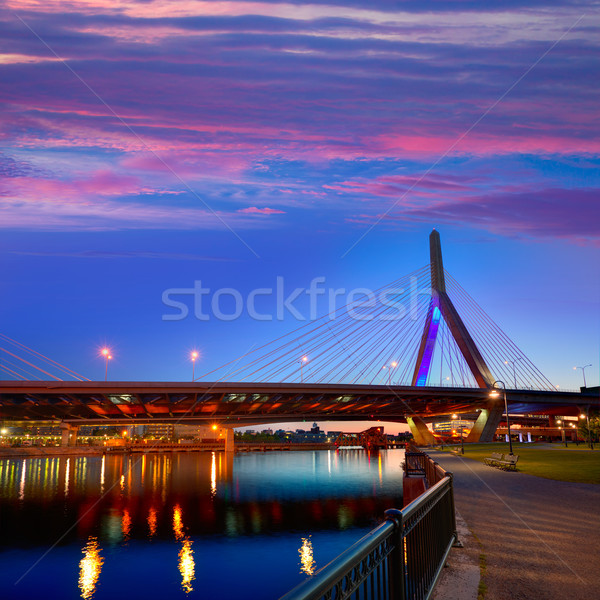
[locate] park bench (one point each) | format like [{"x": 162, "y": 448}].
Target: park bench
[
  {"x": 508, "y": 463},
  {"x": 493, "y": 459}
]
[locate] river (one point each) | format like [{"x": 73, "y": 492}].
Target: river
[{"x": 185, "y": 525}]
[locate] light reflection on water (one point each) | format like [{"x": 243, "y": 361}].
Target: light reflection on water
[
  {"x": 152, "y": 521},
  {"x": 307, "y": 561},
  {"x": 186, "y": 566},
  {"x": 232, "y": 523},
  {"x": 89, "y": 568}
]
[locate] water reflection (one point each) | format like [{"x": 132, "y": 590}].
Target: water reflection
[
  {"x": 89, "y": 568},
  {"x": 186, "y": 554},
  {"x": 265, "y": 493},
  {"x": 200, "y": 506},
  {"x": 22, "y": 483},
  {"x": 67, "y": 477},
  {"x": 307, "y": 561},
  {"x": 102, "y": 469},
  {"x": 213, "y": 474},
  {"x": 152, "y": 521},
  {"x": 126, "y": 524},
  {"x": 186, "y": 565},
  {"x": 177, "y": 522}
]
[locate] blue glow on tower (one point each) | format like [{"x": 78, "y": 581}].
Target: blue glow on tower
[{"x": 430, "y": 344}]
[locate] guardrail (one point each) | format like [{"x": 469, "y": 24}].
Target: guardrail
[{"x": 401, "y": 559}]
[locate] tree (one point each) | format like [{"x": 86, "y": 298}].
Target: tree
[{"x": 594, "y": 427}]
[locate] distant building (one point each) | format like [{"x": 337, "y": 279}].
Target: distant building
[
  {"x": 161, "y": 430},
  {"x": 454, "y": 426}
]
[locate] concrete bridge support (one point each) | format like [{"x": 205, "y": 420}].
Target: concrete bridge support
[
  {"x": 421, "y": 434},
  {"x": 229, "y": 440},
  {"x": 485, "y": 427},
  {"x": 68, "y": 434}
]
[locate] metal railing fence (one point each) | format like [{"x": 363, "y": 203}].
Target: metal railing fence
[{"x": 401, "y": 559}]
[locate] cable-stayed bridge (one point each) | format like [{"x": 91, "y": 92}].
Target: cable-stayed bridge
[{"x": 415, "y": 350}]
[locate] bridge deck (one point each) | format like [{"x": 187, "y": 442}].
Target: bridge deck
[{"x": 248, "y": 403}]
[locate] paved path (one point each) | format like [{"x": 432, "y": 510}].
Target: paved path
[{"x": 541, "y": 538}]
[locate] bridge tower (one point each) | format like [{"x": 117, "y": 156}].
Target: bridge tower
[{"x": 441, "y": 306}]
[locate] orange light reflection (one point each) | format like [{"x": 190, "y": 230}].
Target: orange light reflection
[
  {"x": 89, "y": 568},
  {"x": 187, "y": 566}
]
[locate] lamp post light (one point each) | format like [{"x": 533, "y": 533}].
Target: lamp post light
[
  {"x": 194, "y": 356},
  {"x": 494, "y": 394},
  {"x": 583, "y": 372},
  {"x": 563, "y": 437},
  {"x": 512, "y": 362},
  {"x": 589, "y": 432},
  {"x": 303, "y": 360},
  {"x": 393, "y": 365},
  {"x": 574, "y": 428},
  {"x": 462, "y": 443},
  {"x": 107, "y": 356}
]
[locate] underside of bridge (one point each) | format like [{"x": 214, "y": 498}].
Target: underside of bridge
[{"x": 239, "y": 404}]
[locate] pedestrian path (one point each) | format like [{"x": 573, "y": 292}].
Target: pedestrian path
[{"x": 541, "y": 538}]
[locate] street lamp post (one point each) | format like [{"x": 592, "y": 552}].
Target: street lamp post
[
  {"x": 512, "y": 362},
  {"x": 107, "y": 356},
  {"x": 194, "y": 356},
  {"x": 563, "y": 437},
  {"x": 462, "y": 443},
  {"x": 393, "y": 365},
  {"x": 302, "y": 361},
  {"x": 583, "y": 373},
  {"x": 589, "y": 432},
  {"x": 494, "y": 394},
  {"x": 574, "y": 428}
]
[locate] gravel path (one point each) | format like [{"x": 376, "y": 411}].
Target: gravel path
[{"x": 541, "y": 537}]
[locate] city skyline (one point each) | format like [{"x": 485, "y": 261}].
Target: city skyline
[{"x": 148, "y": 147}]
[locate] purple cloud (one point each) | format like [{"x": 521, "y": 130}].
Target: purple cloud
[
  {"x": 545, "y": 213},
  {"x": 161, "y": 102}
]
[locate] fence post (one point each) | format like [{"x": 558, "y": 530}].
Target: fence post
[
  {"x": 457, "y": 542},
  {"x": 396, "y": 559}
]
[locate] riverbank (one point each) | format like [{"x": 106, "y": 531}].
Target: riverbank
[
  {"x": 575, "y": 464},
  {"x": 44, "y": 451},
  {"x": 539, "y": 538}
]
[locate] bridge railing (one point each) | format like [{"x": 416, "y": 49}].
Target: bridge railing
[{"x": 401, "y": 559}]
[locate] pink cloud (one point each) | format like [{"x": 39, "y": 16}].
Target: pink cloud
[
  {"x": 425, "y": 144},
  {"x": 261, "y": 211}
]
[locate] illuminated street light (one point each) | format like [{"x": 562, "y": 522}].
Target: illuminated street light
[
  {"x": 495, "y": 394},
  {"x": 193, "y": 356},
  {"x": 302, "y": 361},
  {"x": 462, "y": 444},
  {"x": 587, "y": 416},
  {"x": 574, "y": 428},
  {"x": 583, "y": 372},
  {"x": 393, "y": 365},
  {"x": 107, "y": 356},
  {"x": 512, "y": 362},
  {"x": 562, "y": 432}
]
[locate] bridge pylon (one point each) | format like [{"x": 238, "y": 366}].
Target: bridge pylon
[{"x": 441, "y": 306}]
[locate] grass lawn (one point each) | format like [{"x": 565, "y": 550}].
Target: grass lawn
[{"x": 552, "y": 461}]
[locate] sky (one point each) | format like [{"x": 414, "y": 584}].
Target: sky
[{"x": 150, "y": 145}]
